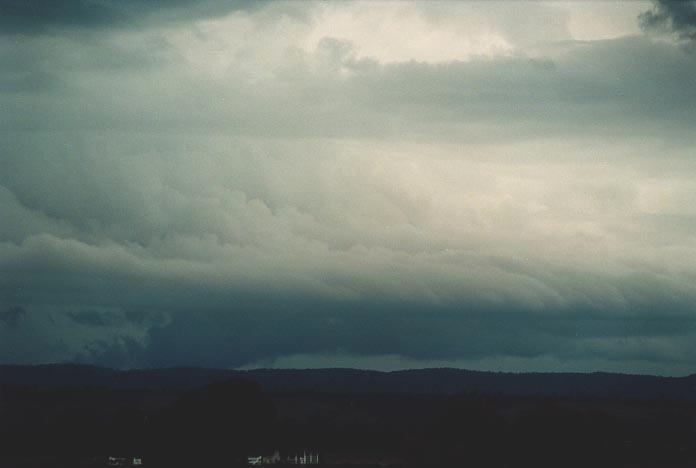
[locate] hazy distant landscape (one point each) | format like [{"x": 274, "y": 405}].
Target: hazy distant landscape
[
  {"x": 77, "y": 416},
  {"x": 354, "y": 381}
]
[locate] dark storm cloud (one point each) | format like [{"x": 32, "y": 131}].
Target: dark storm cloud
[
  {"x": 224, "y": 326},
  {"x": 678, "y": 16},
  {"x": 41, "y": 16},
  {"x": 11, "y": 315},
  {"x": 98, "y": 318},
  {"x": 226, "y": 194},
  {"x": 431, "y": 333}
]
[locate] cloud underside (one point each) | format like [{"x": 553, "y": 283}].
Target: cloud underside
[
  {"x": 236, "y": 186},
  {"x": 678, "y": 17}
]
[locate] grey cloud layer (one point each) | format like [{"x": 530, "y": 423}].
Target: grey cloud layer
[
  {"x": 167, "y": 203},
  {"x": 676, "y": 16},
  {"x": 46, "y": 16},
  {"x": 631, "y": 86}
]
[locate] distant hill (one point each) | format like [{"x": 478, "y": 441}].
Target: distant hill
[{"x": 353, "y": 381}]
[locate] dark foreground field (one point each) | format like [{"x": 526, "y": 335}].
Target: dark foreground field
[{"x": 46, "y": 424}]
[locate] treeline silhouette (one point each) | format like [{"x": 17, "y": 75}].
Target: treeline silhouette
[
  {"x": 441, "y": 381},
  {"x": 220, "y": 424}
]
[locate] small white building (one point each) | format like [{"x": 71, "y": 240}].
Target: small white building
[
  {"x": 255, "y": 460},
  {"x": 306, "y": 458}
]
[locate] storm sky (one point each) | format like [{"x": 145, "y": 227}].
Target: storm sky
[{"x": 495, "y": 186}]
